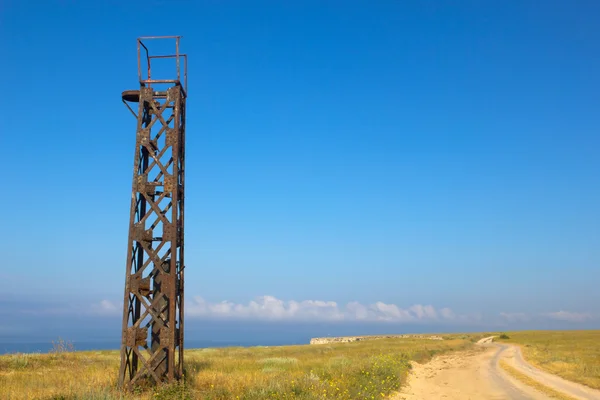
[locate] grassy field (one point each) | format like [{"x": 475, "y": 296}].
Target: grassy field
[
  {"x": 574, "y": 355},
  {"x": 370, "y": 369}
]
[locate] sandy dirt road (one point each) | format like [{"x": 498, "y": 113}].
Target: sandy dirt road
[{"x": 476, "y": 375}]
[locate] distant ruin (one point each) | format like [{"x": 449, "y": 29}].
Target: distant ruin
[{"x": 348, "y": 339}]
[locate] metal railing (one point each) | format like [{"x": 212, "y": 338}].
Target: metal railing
[{"x": 148, "y": 81}]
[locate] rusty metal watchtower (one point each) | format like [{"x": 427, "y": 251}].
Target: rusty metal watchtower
[{"x": 152, "y": 336}]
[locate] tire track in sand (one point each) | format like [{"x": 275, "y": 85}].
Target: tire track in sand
[{"x": 476, "y": 374}]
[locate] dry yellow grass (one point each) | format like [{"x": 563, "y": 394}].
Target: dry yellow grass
[
  {"x": 573, "y": 355},
  {"x": 553, "y": 394},
  {"x": 360, "y": 370}
]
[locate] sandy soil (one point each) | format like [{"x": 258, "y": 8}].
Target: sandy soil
[{"x": 476, "y": 374}]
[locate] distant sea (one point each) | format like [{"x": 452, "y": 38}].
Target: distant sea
[
  {"x": 92, "y": 334},
  {"x": 45, "y": 347}
]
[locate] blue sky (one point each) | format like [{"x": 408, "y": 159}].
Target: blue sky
[{"x": 410, "y": 154}]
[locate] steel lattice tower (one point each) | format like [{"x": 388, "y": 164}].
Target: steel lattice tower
[{"x": 152, "y": 336}]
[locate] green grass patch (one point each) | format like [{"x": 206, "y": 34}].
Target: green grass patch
[{"x": 351, "y": 371}]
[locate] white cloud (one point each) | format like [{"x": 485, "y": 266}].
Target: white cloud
[
  {"x": 569, "y": 316},
  {"x": 424, "y": 311},
  {"x": 566, "y": 316},
  {"x": 272, "y": 308},
  {"x": 106, "y": 307},
  {"x": 515, "y": 317},
  {"x": 447, "y": 313},
  {"x": 269, "y": 308},
  {"x": 264, "y": 307}
]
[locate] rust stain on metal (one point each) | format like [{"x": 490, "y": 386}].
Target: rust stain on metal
[{"x": 152, "y": 331}]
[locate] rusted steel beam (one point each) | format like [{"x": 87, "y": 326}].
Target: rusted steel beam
[{"x": 152, "y": 326}]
